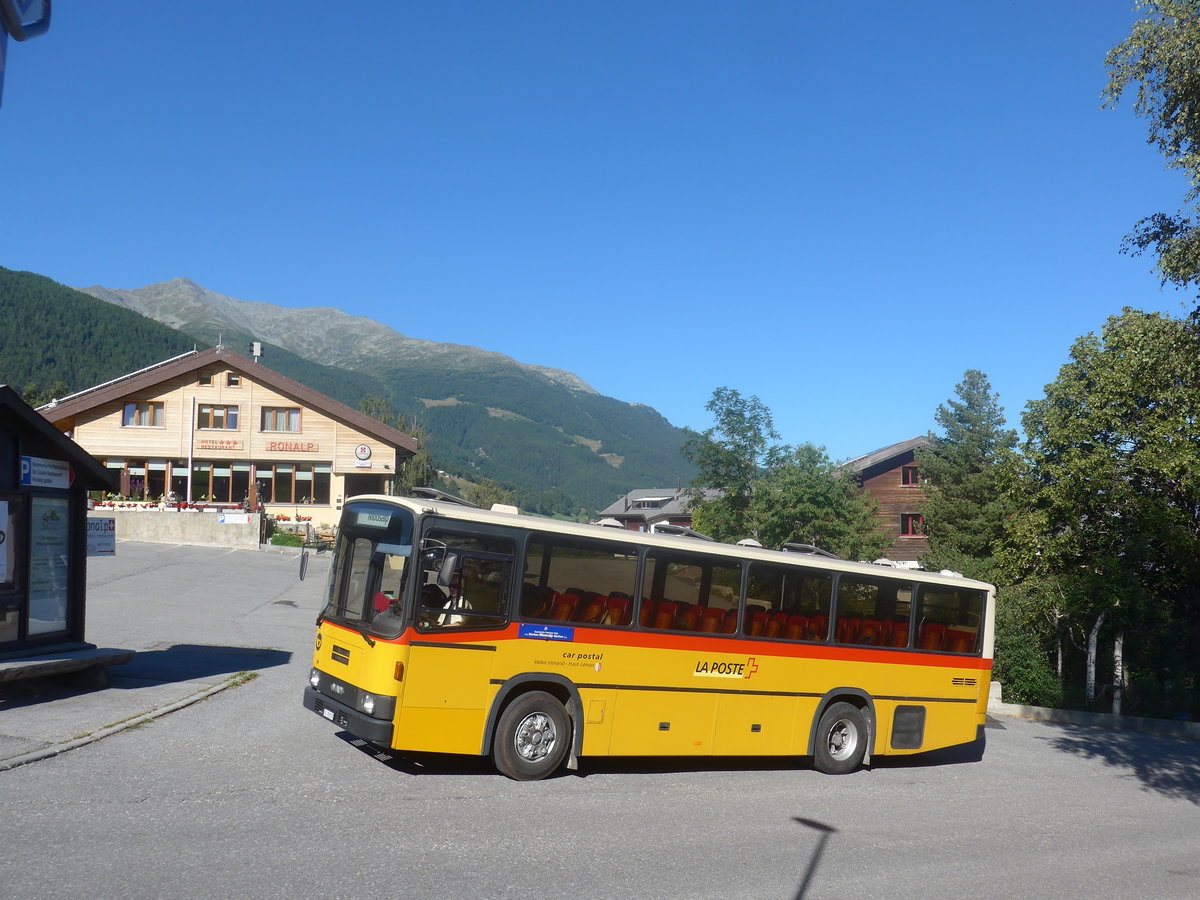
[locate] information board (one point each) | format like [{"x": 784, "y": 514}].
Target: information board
[{"x": 49, "y": 554}]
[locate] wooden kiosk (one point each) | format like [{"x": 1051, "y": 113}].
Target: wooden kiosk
[{"x": 44, "y": 479}]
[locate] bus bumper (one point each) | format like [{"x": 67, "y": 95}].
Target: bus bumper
[{"x": 377, "y": 731}]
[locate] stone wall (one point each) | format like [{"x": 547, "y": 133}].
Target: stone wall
[{"x": 204, "y": 529}]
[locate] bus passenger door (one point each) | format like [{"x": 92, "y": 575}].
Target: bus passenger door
[{"x": 462, "y": 609}]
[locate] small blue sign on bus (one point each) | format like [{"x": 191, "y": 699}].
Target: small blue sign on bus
[{"x": 547, "y": 632}]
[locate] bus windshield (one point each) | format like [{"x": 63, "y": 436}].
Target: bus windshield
[{"x": 367, "y": 579}]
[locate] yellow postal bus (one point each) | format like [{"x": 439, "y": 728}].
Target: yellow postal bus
[{"x": 452, "y": 629}]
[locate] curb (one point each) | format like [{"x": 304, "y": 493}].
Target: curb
[
  {"x": 1166, "y": 727},
  {"x": 62, "y": 747}
]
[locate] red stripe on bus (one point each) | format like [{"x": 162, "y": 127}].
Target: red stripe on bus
[{"x": 694, "y": 643}]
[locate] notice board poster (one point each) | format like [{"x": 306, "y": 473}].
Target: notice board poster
[
  {"x": 49, "y": 564},
  {"x": 11, "y": 546},
  {"x": 4, "y": 548}
]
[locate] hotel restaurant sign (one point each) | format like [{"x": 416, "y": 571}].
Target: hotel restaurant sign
[{"x": 272, "y": 446}]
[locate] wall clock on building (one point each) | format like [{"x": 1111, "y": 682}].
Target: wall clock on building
[{"x": 362, "y": 451}]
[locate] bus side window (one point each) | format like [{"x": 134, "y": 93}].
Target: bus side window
[
  {"x": 795, "y": 599},
  {"x": 683, "y": 586},
  {"x": 468, "y": 586},
  {"x": 587, "y": 582},
  {"x": 872, "y": 611},
  {"x": 949, "y": 619}
]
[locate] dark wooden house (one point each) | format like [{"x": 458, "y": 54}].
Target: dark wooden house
[{"x": 892, "y": 478}]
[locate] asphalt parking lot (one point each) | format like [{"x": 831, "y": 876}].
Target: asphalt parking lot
[{"x": 242, "y": 792}]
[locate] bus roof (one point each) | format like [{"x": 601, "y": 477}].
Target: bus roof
[{"x": 466, "y": 513}]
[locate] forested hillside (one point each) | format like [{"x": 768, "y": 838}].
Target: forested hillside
[{"x": 55, "y": 339}]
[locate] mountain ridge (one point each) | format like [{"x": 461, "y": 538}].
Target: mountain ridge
[
  {"x": 543, "y": 432},
  {"x": 183, "y": 304}
]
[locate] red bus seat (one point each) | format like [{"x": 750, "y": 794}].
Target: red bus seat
[
  {"x": 710, "y": 621},
  {"x": 899, "y": 635},
  {"x": 664, "y": 614},
  {"x": 729, "y": 623},
  {"x": 776, "y": 623},
  {"x": 756, "y": 623},
  {"x": 847, "y": 629},
  {"x": 958, "y": 641},
  {"x": 618, "y": 612},
  {"x": 564, "y": 607},
  {"x": 931, "y": 635},
  {"x": 870, "y": 632},
  {"x": 797, "y": 628},
  {"x": 590, "y": 610}
]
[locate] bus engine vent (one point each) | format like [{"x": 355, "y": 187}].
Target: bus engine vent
[
  {"x": 908, "y": 728},
  {"x": 340, "y": 654},
  {"x": 964, "y": 682}
]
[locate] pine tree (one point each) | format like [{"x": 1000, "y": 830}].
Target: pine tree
[{"x": 964, "y": 472}]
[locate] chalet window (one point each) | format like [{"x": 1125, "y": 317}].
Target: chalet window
[
  {"x": 223, "y": 418},
  {"x": 142, "y": 415},
  {"x": 279, "y": 418},
  {"x": 299, "y": 483},
  {"x": 204, "y": 379},
  {"x": 233, "y": 379},
  {"x": 910, "y": 476},
  {"x": 912, "y": 525}
]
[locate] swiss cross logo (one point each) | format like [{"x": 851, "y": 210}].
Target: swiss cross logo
[{"x": 751, "y": 666}]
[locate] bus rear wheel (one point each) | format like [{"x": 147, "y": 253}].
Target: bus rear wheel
[
  {"x": 532, "y": 737},
  {"x": 841, "y": 739}
]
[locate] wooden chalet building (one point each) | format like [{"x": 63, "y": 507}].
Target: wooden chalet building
[
  {"x": 215, "y": 427},
  {"x": 642, "y": 509},
  {"x": 892, "y": 478}
]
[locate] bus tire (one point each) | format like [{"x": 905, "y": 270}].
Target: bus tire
[
  {"x": 532, "y": 737},
  {"x": 841, "y": 740}
]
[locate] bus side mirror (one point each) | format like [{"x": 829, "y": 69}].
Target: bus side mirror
[
  {"x": 448, "y": 568},
  {"x": 303, "y": 564}
]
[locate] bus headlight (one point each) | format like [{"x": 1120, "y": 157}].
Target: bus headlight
[
  {"x": 368, "y": 704},
  {"x": 314, "y": 678}
]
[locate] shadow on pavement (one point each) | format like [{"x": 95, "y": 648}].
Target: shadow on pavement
[
  {"x": 1165, "y": 765},
  {"x": 422, "y": 763},
  {"x": 161, "y": 665},
  {"x": 947, "y": 756},
  {"x": 195, "y": 662},
  {"x": 452, "y": 764}
]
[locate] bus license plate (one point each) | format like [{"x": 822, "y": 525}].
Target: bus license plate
[{"x": 327, "y": 713}]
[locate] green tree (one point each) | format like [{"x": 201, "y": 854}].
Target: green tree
[
  {"x": 963, "y": 472},
  {"x": 1162, "y": 57},
  {"x": 418, "y": 470},
  {"x": 749, "y": 487},
  {"x": 1111, "y": 499},
  {"x": 485, "y": 493},
  {"x": 729, "y": 457},
  {"x": 802, "y": 498},
  {"x": 378, "y": 408}
]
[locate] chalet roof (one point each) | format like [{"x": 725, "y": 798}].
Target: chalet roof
[
  {"x": 16, "y": 413},
  {"x": 673, "y": 502},
  {"x": 194, "y": 361},
  {"x": 883, "y": 454}
]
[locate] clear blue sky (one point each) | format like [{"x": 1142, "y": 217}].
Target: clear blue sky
[{"x": 837, "y": 207}]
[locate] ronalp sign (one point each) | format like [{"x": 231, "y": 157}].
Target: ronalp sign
[{"x": 292, "y": 446}]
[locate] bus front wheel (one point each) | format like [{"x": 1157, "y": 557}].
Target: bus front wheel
[
  {"x": 532, "y": 738},
  {"x": 841, "y": 739}
]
